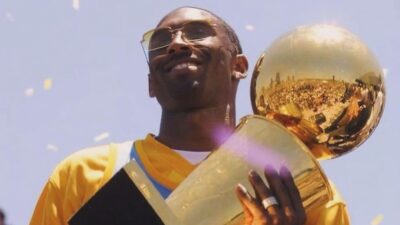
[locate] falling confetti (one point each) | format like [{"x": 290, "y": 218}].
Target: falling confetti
[
  {"x": 101, "y": 137},
  {"x": 385, "y": 72},
  {"x": 52, "y": 148},
  {"x": 10, "y": 17},
  {"x": 377, "y": 220},
  {"x": 47, "y": 84},
  {"x": 29, "y": 92},
  {"x": 75, "y": 4},
  {"x": 249, "y": 27}
]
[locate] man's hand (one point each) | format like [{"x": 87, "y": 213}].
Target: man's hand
[{"x": 263, "y": 209}]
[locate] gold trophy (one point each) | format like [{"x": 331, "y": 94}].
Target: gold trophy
[
  {"x": 324, "y": 85},
  {"x": 317, "y": 93}
]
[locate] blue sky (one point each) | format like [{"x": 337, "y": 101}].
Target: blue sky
[{"x": 92, "y": 55}]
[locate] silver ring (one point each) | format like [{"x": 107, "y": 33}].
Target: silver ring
[{"x": 270, "y": 201}]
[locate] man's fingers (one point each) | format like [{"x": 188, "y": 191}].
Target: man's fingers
[
  {"x": 263, "y": 209},
  {"x": 277, "y": 187},
  {"x": 294, "y": 194},
  {"x": 242, "y": 195},
  {"x": 263, "y": 192},
  {"x": 250, "y": 205},
  {"x": 281, "y": 193},
  {"x": 259, "y": 186}
]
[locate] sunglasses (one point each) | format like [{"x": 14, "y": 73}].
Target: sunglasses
[{"x": 160, "y": 38}]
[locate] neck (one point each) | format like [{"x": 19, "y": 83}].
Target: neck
[{"x": 194, "y": 130}]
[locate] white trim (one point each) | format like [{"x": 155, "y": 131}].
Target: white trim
[
  {"x": 123, "y": 155},
  {"x": 194, "y": 157}
]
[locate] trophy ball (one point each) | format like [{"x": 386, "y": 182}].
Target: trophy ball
[{"x": 323, "y": 84}]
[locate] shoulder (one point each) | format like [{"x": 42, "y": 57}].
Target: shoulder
[
  {"x": 92, "y": 158},
  {"x": 85, "y": 171},
  {"x": 92, "y": 163},
  {"x": 88, "y": 168},
  {"x": 74, "y": 180}
]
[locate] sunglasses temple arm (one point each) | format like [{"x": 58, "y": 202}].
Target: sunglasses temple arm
[{"x": 145, "y": 55}]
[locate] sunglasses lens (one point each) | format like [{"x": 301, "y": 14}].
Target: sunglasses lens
[
  {"x": 160, "y": 38},
  {"x": 197, "y": 30}
]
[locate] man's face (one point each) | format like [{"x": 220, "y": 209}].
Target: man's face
[{"x": 187, "y": 74}]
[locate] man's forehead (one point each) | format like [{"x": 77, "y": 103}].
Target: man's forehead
[{"x": 183, "y": 15}]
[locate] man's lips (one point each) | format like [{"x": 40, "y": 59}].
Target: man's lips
[
  {"x": 182, "y": 64},
  {"x": 185, "y": 66}
]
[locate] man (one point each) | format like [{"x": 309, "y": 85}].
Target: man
[{"x": 195, "y": 62}]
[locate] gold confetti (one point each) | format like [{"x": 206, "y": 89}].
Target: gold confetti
[
  {"x": 29, "y": 92},
  {"x": 52, "y": 148},
  {"x": 47, "y": 84},
  {"x": 101, "y": 137},
  {"x": 249, "y": 27},
  {"x": 377, "y": 220},
  {"x": 75, "y": 4}
]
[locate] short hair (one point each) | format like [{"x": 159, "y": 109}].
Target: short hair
[{"x": 229, "y": 30}]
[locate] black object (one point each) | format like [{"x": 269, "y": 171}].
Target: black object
[{"x": 118, "y": 202}]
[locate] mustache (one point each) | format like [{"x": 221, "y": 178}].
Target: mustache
[{"x": 201, "y": 53}]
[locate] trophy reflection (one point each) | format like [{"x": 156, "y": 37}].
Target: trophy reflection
[
  {"x": 324, "y": 85},
  {"x": 317, "y": 93}
]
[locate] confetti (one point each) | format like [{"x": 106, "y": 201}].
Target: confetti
[
  {"x": 10, "y": 17},
  {"x": 377, "y": 220},
  {"x": 249, "y": 27},
  {"x": 47, "y": 84},
  {"x": 101, "y": 137},
  {"x": 75, "y": 4},
  {"x": 29, "y": 92},
  {"x": 385, "y": 72},
  {"x": 52, "y": 148}
]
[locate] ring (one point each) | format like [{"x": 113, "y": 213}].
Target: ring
[{"x": 270, "y": 201}]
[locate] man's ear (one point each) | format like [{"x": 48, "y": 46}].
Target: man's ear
[
  {"x": 240, "y": 67},
  {"x": 152, "y": 93}
]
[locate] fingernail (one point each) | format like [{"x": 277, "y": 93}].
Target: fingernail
[
  {"x": 284, "y": 171},
  {"x": 253, "y": 173},
  {"x": 244, "y": 191},
  {"x": 269, "y": 169}
]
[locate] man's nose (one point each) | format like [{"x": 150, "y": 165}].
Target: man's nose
[{"x": 178, "y": 44}]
